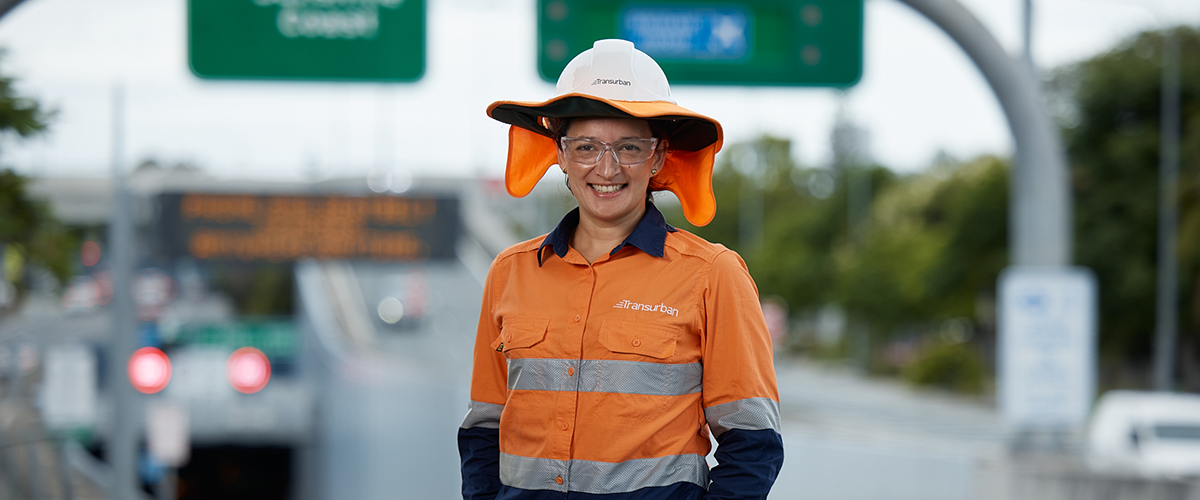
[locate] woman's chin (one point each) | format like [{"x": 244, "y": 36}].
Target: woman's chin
[{"x": 609, "y": 209}]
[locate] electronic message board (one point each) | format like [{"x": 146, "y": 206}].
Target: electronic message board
[{"x": 284, "y": 228}]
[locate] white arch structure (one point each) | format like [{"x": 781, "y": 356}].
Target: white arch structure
[{"x": 1039, "y": 226}]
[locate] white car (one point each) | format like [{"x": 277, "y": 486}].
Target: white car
[{"x": 1146, "y": 433}]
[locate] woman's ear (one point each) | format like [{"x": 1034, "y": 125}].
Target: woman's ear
[{"x": 660, "y": 157}]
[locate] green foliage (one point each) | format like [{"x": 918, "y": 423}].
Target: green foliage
[
  {"x": 20, "y": 115},
  {"x": 936, "y": 242},
  {"x": 927, "y": 249},
  {"x": 953, "y": 366},
  {"x": 1110, "y": 107},
  {"x": 30, "y": 233}
]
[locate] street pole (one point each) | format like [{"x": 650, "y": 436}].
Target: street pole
[
  {"x": 1167, "y": 300},
  {"x": 122, "y": 437},
  {"x": 1027, "y": 34}
]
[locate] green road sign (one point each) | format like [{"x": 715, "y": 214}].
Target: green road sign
[
  {"x": 275, "y": 338},
  {"x": 374, "y": 40},
  {"x": 712, "y": 42}
]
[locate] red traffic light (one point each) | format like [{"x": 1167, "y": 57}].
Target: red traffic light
[
  {"x": 149, "y": 370},
  {"x": 248, "y": 370}
]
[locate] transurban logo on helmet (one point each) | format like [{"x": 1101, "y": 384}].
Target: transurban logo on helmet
[
  {"x": 625, "y": 304},
  {"x": 610, "y": 81}
]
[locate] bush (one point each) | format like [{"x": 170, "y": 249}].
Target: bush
[{"x": 956, "y": 367}]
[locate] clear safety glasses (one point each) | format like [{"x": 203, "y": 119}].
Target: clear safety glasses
[{"x": 625, "y": 151}]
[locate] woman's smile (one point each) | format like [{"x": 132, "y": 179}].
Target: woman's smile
[{"x": 607, "y": 188}]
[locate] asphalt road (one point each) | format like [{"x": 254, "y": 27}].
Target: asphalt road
[{"x": 394, "y": 400}]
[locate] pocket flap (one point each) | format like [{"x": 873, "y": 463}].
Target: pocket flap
[
  {"x": 520, "y": 333},
  {"x": 655, "y": 341}
]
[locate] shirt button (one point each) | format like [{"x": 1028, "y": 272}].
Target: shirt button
[
  {"x": 576, "y": 318},
  {"x": 558, "y": 479},
  {"x": 571, "y": 371},
  {"x": 565, "y": 426},
  {"x": 636, "y": 342}
]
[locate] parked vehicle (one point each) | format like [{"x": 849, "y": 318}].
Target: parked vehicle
[{"x": 1146, "y": 433}]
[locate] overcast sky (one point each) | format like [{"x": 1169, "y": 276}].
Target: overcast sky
[{"x": 919, "y": 93}]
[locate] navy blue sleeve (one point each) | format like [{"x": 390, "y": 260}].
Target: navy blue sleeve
[
  {"x": 747, "y": 464},
  {"x": 479, "y": 450}
]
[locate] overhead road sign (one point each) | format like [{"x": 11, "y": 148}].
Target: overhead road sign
[
  {"x": 751, "y": 42},
  {"x": 286, "y": 228},
  {"x": 356, "y": 40}
]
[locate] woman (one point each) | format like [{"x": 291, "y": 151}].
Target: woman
[{"x": 609, "y": 350}]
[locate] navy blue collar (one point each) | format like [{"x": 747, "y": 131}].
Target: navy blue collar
[{"x": 649, "y": 236}]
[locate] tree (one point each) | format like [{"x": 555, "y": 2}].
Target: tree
[
  {"x": 933, "y": 245},
  {"x": 1109, "y": 106},
  {"x": 20, "y": 115},
  {"x": 29, "y": 233}
]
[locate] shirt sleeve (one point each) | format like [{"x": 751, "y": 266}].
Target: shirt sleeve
[
  {"x": 479, "y": 434},
  {"x": 740, "y": 398}
]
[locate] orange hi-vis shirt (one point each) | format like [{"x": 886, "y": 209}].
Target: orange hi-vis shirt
[{"x": 607, "y": 377}]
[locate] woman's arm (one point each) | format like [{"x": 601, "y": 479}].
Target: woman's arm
[
  {"x": 479, "y": 434},
  {"x": 741, "y": 399}
]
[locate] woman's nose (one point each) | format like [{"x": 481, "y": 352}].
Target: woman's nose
[{"x": 608, "y": 166}]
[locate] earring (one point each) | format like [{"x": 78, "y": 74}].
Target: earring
[{"x": 653, "y": 172}]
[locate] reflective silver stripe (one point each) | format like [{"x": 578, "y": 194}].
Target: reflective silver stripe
[
  {"x": 602, "y": 477},
  {"x": 752, "y": 414},
  {"x": 484, "y": 415},
  {"x": 594, "y": 375}
]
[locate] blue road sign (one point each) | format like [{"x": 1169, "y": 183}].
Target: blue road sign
[{"x": 687, "y": 33}]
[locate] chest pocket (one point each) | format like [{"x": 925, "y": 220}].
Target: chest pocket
[
  {"x": 628, "y": 337},
  {"x": 520, "y": 333}
]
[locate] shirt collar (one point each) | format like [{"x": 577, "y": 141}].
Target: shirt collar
[{"x": 650, "y": 235}]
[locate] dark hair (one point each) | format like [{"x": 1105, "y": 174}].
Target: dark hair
[{"x": 560, "y": 126}]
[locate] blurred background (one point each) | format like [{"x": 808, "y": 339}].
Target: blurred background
[{"x": 243, "y": 241}]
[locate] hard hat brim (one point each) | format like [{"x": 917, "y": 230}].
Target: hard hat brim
[{"x": 694, "y": 142}]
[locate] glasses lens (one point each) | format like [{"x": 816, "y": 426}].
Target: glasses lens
[
  {"x": 589, "y": 151},
  {"x": 632, "y": 151},
  {"x": 584, "y": 151}
]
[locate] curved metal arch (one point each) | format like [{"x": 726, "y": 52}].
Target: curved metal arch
[
  {"x": 1040, "y": 227},
  {"x": 7, "y": 5}
]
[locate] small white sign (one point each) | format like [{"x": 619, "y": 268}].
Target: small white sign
[
  {"x": 69, "y": 390},
  {"x": 1047, "y": 346},
  {"x": 167, "y": 432}
]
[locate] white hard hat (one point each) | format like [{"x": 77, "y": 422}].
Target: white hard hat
[{"x": 614, "y": 69}]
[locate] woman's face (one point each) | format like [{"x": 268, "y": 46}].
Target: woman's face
[{"x": 610, "y": 193}]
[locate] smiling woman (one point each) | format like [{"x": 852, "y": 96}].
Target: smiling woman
[{"x": 609, "y": 349}]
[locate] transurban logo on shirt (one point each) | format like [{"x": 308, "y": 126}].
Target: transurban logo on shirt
[
  {"x": 625, "y": 304},
  {"x": 610, "y": 81}
]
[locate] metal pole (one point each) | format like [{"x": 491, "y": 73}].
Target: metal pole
[
  {"x": 7, "y": 5},
  {"x": 1027, "y": 34},
  {"x": 122, "y": 438},
  {"x": 1167, "y": 300}
]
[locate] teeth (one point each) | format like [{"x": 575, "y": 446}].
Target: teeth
[{"x": 608, "y": 189}]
